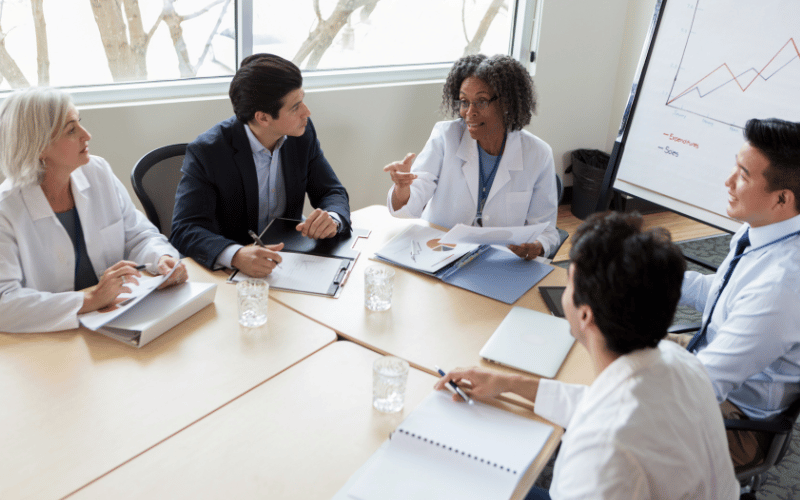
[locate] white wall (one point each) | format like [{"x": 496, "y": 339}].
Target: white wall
[{"x": 588, "y": 53}]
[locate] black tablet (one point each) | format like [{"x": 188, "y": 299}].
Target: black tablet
[{"x": 552, "y": 297}]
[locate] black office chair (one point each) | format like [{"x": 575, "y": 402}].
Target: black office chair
[
  {"x": 781, "y": 429},
  {"x": 155, "y": 179},
  {"x": 562, "y": 235}
]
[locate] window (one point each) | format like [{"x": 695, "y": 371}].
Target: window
[{"x": 171, "y": 48}]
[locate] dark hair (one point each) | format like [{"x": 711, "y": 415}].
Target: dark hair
[
  {"x": 261, "y": 83},
  {"x": 779, "y": 141},
  {"x": 631, "y": 279},
  {"x": 506, "y": 77}
]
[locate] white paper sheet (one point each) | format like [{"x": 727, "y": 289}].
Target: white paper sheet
[
  {"x": 421, "y": 461},
  {"x": 429, "y": 255},
  {"x": 301, "y": 272},
  {"x": 517, "y": 235}
]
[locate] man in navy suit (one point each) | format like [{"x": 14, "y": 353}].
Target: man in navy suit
[{"x": 253, "y": 167}]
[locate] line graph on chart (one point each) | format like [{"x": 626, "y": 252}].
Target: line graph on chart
[{"x": 752, "y": 71}]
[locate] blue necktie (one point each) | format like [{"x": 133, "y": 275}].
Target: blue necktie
[{"x": 743, "y": 243}]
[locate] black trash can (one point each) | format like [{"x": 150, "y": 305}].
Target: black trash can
[{"x": 588, "y": 170}]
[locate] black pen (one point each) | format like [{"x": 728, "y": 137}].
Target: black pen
[
  {"x": 458, "y": 390},
  {"x": 255, "y": 237},
  {"x": 141, "y": 267}
]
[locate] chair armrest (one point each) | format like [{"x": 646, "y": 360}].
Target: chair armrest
[
  {"x": 779, "y": 425},
  {"x": 684, "y": 328}
]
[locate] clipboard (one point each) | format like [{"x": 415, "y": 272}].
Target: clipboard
[{"x": 320, "y": 255}]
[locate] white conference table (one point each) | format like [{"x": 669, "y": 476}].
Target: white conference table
[
  {"x": 430, "y": 322},
  {"x": 76, "y": 404},
  {"x": 299, "y": 436}
]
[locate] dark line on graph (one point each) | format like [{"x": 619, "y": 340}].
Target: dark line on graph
[
  {"x": 704, "y": 116},
  {"x": 680, "y": 64}
]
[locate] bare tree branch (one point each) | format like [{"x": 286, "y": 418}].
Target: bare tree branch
[
  {"x": 8, "y": 67},
  {"x": 113, "y": 33},
  {"x": 317, "y": 10},
  {"x": 464, "y": 19},
  {"x": 474, "y": 46},
  {"x": 204, "y": 10},
  {"x": 211, "y": 37},
  {"x": 42, "y": 55},
  {"x": 138, "y": 42},
  {"x": 173, "y": 22},
  {"x": 322, "y": 37}
]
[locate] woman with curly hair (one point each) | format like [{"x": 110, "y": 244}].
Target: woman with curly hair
[{"x": 482, "y": 169}]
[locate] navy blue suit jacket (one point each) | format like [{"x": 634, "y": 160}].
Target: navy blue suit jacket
[{"x": 217, "y": 198}]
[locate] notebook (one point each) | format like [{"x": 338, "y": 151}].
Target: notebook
[
  {"x": 448, "y": 450},
  {"x": 530, "y": 341}
]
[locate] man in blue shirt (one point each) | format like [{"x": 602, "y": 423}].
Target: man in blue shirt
[
  {"x": 750, "y": 340},
  {"x": 252, "y": 168}
]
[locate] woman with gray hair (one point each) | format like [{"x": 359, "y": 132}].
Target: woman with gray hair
[
  {"x": 70, "y": 237},
  {"x": 482, "y": 169}
]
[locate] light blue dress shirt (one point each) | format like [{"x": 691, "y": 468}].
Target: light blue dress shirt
[
  {"x": 752, "y": 349},
  {"x": 271, "y": 189}
]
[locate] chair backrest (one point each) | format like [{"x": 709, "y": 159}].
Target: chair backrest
[
  {"x": 155, "y": 179},
  {"x": 562, "y": 235}
]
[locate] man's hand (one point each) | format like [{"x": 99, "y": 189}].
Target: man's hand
[
  {"x": 257, "y": 261},
  {"x": 318, "y": 225},
  {"x": 485, "y": 385}
]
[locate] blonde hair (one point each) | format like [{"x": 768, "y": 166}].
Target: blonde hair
[{"x": 30, "y": 120}]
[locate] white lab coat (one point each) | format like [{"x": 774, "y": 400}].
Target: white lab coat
[
  {"x": 37, "y": 257},
  {"x": 649, "y": 427},
  {"x": 445, "y": 191}
]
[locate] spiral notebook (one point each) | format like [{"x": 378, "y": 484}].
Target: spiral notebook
[{"x": 448, "y": 450}]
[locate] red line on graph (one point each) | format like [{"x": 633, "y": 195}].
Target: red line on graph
[{"x": 725, "y": 65}]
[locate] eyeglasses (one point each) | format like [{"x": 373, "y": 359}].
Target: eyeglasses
[{"x": 479, "y": 105}]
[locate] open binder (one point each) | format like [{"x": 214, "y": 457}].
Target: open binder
[
  {"x": 482, "y": 269},
  {"x": 448, "y": 450},
  {"x": 318, "y": 267},
  {"x": 157, "y": 312}
]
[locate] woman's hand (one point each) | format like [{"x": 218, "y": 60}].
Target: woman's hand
[
  {"x": 400, "y": 172},
  {"x": 528, "y": 251},
  {"x": 165, "y": 265},
  {"x": 111, "y": 284}
]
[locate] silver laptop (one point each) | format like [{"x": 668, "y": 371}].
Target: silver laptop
[{"x": 530, "y": 341}]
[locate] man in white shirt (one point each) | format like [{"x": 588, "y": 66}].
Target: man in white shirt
[
  {"x": 750, "y": 339},
  {"x": 649, "y": 425}
]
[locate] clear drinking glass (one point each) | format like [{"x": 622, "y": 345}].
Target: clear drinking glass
[
  {"x": 389, "y": 375},
  {"x": 253, "y": 302},
  {"x": 378, "y": 287}
]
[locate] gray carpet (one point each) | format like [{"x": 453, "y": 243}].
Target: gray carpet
[{"x": 779, "y": 483}]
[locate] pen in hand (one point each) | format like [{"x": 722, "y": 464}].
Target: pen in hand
[
  {"x": 258, "y": 241},
  {"x": 456, "y": 389},
  {"x": 255, "y": 237}
]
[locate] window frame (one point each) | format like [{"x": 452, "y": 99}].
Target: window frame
[{"x": 525, "y": 28}]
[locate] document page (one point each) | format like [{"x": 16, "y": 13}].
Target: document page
[
  {"x": 448, "y": 450},
  {"x": 301, "y": 273},
  {"x": 420, "y": 248},
  {"x": 493, "y": 235},
  {"x": 96, "y": 319}
]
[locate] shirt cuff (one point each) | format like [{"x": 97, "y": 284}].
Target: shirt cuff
[
  {"x": 225, "y": 257},
  {"x": 338, "y": 220}
]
